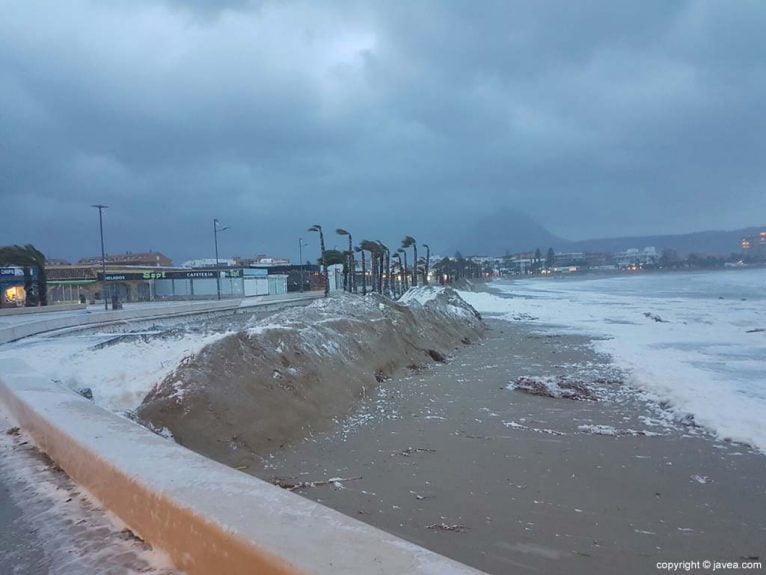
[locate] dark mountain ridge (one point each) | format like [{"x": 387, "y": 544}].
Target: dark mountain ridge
[{"x": 509, "y": 232}]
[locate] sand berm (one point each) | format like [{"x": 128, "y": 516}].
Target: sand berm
[{"x": 297, "y": 371}]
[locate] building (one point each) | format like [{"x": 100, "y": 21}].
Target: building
[
  {"x": 210, "y": 263},
  {"x": 754, "y": 247},
  {"x": 149, "y": 283},
  {"x": 634, "y": 258},
  {"x": 145, "y": 259},
  {"x": 12, "y": 286}
]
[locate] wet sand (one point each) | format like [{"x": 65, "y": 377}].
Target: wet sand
[{"x": 527, "y": 488}]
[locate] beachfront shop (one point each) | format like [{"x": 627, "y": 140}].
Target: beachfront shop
[
  {"x": 193, "y": 284},
  {"x": 12, "y": 282}
]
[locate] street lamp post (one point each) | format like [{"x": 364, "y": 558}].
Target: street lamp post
[
  {"x": 101, "y": 208},
  {"x": 301, "y": 245},
  {"x": 318, "y": 228},
  {"x": 216, "y": 229}
]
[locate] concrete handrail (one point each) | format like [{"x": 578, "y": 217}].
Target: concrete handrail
[{"x": 208, "y": 517}]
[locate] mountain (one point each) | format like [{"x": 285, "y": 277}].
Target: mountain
[
  {"x": 509, "y": 231},
  {"x": 718, "y": 242},
  {"x": 504, "y": 231}
]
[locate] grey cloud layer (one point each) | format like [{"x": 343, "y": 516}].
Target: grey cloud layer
[{"x": 597, "y": 118}]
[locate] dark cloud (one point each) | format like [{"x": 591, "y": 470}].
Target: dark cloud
[{"x": 596, "y": 118}]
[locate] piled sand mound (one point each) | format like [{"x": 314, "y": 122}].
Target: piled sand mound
[{"x": 292, "y": 373}]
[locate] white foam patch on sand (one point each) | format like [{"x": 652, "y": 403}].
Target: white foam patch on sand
[
  {"x": 429, "y": 295},
  {"x": 704, "y": 357},
  {"x": 422, "y": 294},
  {"x": 119, "y": 375}
]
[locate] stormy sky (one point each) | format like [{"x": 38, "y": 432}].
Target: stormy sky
[{"x": 387, "y": 118}]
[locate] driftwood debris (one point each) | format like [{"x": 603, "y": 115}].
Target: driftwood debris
[
  {"x": 560, "y": 388},
  {"x": 446, "y": 527},
  {"x": 410, "y": 450},
  {"x": 293, "y": 486}
]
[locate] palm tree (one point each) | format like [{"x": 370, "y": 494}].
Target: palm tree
[
  {"x": 428, "y": 262},
  {"x": 364, "y": 270},
  {"x": 385, "y": 264},
  {"x": 397, "y": 283},
  {"x": 351, "y": 262},
  {"x": 402, "y": 251},
  {"x": 318, "y": 228},
  {"x": 374, "y": 249},
  {"x": 28, "y": 257},
  {"x": 407, "y": 242}
]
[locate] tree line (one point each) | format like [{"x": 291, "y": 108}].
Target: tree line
[{"x": 384, "y": 270}]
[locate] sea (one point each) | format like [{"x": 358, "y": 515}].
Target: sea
[{"x": 695, "y": 341}]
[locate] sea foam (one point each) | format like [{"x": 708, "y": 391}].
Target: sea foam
[{"x": 693, "y": 340}]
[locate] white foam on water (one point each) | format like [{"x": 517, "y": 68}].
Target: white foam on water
[{"x": 687, "y": 338}]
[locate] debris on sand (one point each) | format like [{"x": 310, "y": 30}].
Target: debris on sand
[
  {"x": 13, "y": 431},
  {"x": 515, "y": 425},
  {"x": 446, "y": 527},
  {"x": 701, "y": 479},
  {"x": 410, "y": 450},
  {"x": 655, "y": 317},
  {"x": 293, "y": 486},
  {"x": 609, "y": 430},
  {"x": 559, "y": 388}
]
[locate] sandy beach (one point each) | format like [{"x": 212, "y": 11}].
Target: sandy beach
[{"x": 450, "y": 458}]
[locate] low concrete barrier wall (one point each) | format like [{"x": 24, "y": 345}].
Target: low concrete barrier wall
[
  {"x": 208, "y": 517},
  {"x": 88, "y": 318},
  {"x": 42, "y": 309},
  {"x": 14, "y": 332}
]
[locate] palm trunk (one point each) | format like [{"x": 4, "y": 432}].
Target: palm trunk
[
  {"x": 42, "y": 286},
  {"x": 352, "y": 266},
  {"x": 374, "y": 270},
  {"x": 324, "y": 265},
  {"x": 415, "y": 266},
  {"x": 406, "y": 287},
  {"x": 27, "y": 286},
  {"x": 387, "y": 286},
  {"x": 364, "y": 274},
  {"x": 428, "y": 261},
  {"x": 381, "y": 256}
]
